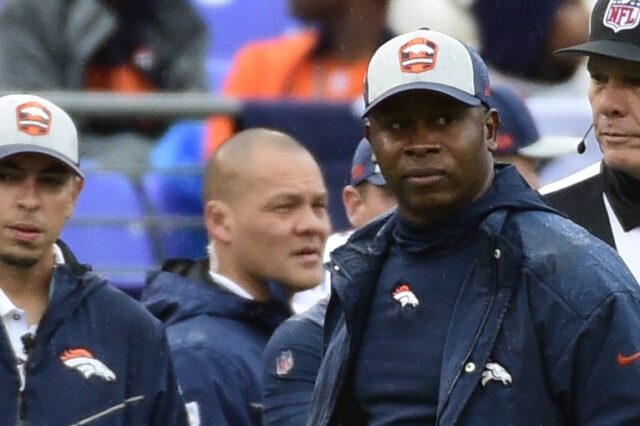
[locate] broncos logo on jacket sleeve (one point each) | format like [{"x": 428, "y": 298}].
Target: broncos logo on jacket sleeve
[{"x": 87, "y": 364}]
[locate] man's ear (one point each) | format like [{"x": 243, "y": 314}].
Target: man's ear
[
  {"x": 218, "y": 219},
  {"x": 76, "y": 188},
  {"x": 353, "y": 204},
  {"x": 490, "y": 127}
]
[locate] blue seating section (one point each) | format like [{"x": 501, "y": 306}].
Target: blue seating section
[
  {"x": 174, "y": 191},
  {"x": 179, "y": 230}
]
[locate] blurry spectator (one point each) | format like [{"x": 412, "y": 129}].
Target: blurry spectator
[
  {"x": 519, "y": 141},
  {"x": 605, "y": 197},
  {"x": 452, "y": 16},
  {"x": 518, "y": 38},
  {"x": 266, "y": 217},
  {"x": 568, "y": 116},
  {"x": 292, "y": 356},
  {"x": 366, "y": 197},
  {"x": 107, "y": 45},
  {"x": 74, "y": 349},
  {"x": 326, "y": 62}
]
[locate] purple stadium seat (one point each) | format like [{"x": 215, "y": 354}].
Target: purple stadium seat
[{"x": 108, "y": 231}]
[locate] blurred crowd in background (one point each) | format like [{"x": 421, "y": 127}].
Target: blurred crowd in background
[{"x": 296, "y": 65}]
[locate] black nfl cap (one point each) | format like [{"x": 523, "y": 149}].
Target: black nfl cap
[{"x": 614, "y": 32}]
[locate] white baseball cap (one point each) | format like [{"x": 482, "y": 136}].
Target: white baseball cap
[
  {"x": 29, "y": 123},
  {"x": 426, "y": 60}
]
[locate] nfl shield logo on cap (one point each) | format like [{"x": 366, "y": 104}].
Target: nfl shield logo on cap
[
  {"x": 622, "y": 14},
  {"x": 614, "y": 31}
]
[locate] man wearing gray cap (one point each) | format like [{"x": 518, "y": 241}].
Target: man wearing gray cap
[
  {"x": 474, "y": 303},
  {"x": 605, "y": 197},
  {"x": 73, "y": 349}
]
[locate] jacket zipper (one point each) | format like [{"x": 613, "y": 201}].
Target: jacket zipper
[{"x": 483, "y": 322}]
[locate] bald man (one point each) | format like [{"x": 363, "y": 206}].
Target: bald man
[{"x": 266, "y": 217}]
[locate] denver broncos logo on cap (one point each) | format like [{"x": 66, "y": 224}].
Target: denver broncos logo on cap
[
  {"x": 357, "y": 171},
  {"x": 418, "y": 55},
  {"x": 33, "y": 119},
  {"x": 622, "y": 15}
]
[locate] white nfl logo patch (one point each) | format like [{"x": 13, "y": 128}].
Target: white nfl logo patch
[{"x": 284, "y": 363}]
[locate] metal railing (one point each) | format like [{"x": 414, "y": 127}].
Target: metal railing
[{"x": 154, "y": 105}]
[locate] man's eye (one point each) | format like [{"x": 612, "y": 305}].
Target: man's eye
[
  {"x": 320, "y": 205},
  {"x": 397, "y": 125},
  {"x": 598, "y": 78},
  {"x": 283, "y": 208},
  {"x": 7, "y": 177},
  {"x": 444, "y": 120},
  {"x": 54, "y": 181}
]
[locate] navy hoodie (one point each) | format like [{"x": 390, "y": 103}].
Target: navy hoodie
[{"x": 216, "y": 340}]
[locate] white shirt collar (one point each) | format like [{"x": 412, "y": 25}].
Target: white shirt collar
[
  {"x": 58, "y": 257},
  {"x": 230, "y": 285},
  {"x": 6, "y": 305}
]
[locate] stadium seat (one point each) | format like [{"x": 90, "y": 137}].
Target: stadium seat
[
  {"x": 178, "y": 225},
  {"x": 108, "y": 231},
  {"x": 173, "y": 190}
]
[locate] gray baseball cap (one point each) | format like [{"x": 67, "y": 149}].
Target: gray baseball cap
[{"x": 29, "y": 123}]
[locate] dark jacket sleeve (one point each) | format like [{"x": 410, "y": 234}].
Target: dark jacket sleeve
[
  {"x": 216, "y": 388},
  {"x": 152, "y": 375},
  {"x": 290, "y": 365},
  {"x": 604, "y": 359}
]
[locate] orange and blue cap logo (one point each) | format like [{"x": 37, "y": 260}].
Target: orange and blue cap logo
[
  {"x": 418, "y": 55},
  {"x": 33, "y": 119}
]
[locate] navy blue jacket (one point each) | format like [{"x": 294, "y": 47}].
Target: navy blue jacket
[
  {"x": 216, "y": 339},
  {"x": 290, "y": 365},
  {"x": 550, "y": 304},
  {"x": 97, "y": 354}
]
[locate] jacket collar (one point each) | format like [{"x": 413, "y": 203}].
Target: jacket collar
[
  {"x": 184, "y": 289},
  {"x": 623, "y": 193}
]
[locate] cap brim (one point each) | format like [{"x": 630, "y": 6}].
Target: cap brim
[
  {"x": 8, "y": 150},
  {"x": 452, "y": 92},
  {"x": 609, "y": 48},
  {"x": 551, "y": 146},
  {"x": 377, "y": 180}
]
